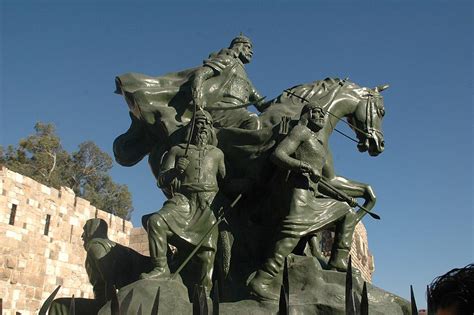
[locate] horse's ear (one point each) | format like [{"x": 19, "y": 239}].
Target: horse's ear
[{"x": 380, "y": 88}]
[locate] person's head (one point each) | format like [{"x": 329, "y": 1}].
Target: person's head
[
  {"x": 242, "y": 45},
  {"x": 312, "y": 115},
  {"x": 94, "y": 228},
  {"x": 453, "y": 292},
  {"x": 203, "y": 131}
]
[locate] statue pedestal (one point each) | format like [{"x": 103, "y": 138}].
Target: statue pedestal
[
  {"x": 312, "y": 291},
  {"x": 139, "y": 298}
]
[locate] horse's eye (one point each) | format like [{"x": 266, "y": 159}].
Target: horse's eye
[{"x": 382, "y": 112}]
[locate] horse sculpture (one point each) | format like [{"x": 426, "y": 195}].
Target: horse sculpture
[{"x": 247, "y": 153}]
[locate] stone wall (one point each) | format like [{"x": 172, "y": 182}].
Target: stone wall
[
  {"x": 362, "y": 258},
  {"x": 35, "y": 259},
  {"x": 33, "y": 264}
]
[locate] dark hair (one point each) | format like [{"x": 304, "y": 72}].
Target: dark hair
[{"x": 453, "y": 289}]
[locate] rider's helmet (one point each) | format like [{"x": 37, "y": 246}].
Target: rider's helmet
[{"x": 241, "y": 39}]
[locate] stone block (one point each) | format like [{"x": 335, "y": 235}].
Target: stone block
[
  {"x": 51, "y": 280},
  {"x": 45, "y": 189},
  {"x": 13, "y": 201},
  {"x": 37, "y": 281},
  {"x": 49, "y": 270},
  {"x": 54, "y": 192},
  {"x": 59, "y": 280},
  {"x": 34, "y": 305},
  {"x": 39, "y": 293},
  {"x": 18, "y": 178},
  {"x": 62, "y": 210},
  {"x": 20, "y": 305},
  {"x": 5, "y": 274},
  {"x": 32, "y": 202},
  {"x": 16, "y": 295},
  {"x": 18, "y": 190},
  {"x": 11, "y": 262},
  {"x": 82, "y": 203},
  {"x": 74, "y": 221},
  {"x": 15, "y": 276},
  {"x": 53, "y": 254},
  {"x": 7, "y": 304},
  {"x": 30, "y": 292},
  {"x": 14, "y": 235}
]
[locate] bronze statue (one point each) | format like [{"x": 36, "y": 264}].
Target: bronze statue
[
  {"x": 226, "y": 73},
  {"x": 279, "y": 161},
  {"x": 189, "y": 177}
]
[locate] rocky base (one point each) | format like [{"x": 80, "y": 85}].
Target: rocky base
[
  {"x": 139, "y": 298},
  {"x": 312, "y": 291}
]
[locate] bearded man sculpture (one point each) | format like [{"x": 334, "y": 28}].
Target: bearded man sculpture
[{"x": 189, "y": 176}]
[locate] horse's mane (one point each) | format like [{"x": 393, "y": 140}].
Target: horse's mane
[
  {"x": 318, "y": 88},
  {"x": 294, "y": 98}
]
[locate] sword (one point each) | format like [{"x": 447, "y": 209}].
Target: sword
[
  {"x": 346, "y": 198},
  {"x": 193, "y": 123}
]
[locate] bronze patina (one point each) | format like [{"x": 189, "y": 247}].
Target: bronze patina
[{"x": 274, "y": 172}]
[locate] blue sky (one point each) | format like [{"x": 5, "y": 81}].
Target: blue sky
[{"x": 59, "y": 60}]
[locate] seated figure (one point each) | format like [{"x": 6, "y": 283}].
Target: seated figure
[{"x": 109, "y": 266}]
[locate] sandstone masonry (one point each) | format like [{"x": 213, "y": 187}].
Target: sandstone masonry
[
  {"x": 41, "y": 246},
  {"x": 37, "y": 256}
]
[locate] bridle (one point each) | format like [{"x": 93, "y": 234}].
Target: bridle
[{"x": 368, "y": 130}]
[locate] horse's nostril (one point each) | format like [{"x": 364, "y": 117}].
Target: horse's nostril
[{"x": 382, "y": 144}]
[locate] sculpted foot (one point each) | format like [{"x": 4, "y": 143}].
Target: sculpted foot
[
  {"x": 260, "y": 288},
  {"x": 157, "y": 273},
  {"x": 338, "y": 260},
  {"x": 337, "y": 266}
]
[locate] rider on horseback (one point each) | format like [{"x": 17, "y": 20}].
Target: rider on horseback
[{"x": 226, "y": 70}]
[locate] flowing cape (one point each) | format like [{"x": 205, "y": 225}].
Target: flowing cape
[{"x": 159, "y": 109}]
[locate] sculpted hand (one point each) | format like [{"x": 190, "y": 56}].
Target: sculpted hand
[
  {"x": 182, "y": 164},
  {"x": 197, "y": 97},
  {"x": 369, "y": 196},
  {"x": 304, "y": 167},
  {"x": 353, "y": 202},
  {"x": 315, "y": 177}
]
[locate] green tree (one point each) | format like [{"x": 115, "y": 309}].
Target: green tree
[{"x": 41, "y": 157}]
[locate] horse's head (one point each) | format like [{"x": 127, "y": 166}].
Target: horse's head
[{"x": 367, "y": 119}]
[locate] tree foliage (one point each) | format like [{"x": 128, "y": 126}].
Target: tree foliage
[{"x": 41, "y": 157}]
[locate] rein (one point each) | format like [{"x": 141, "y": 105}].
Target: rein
[{"x": 368, "y": 121}]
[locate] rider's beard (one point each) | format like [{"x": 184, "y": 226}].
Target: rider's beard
[{"x": 315, "y": 124}]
